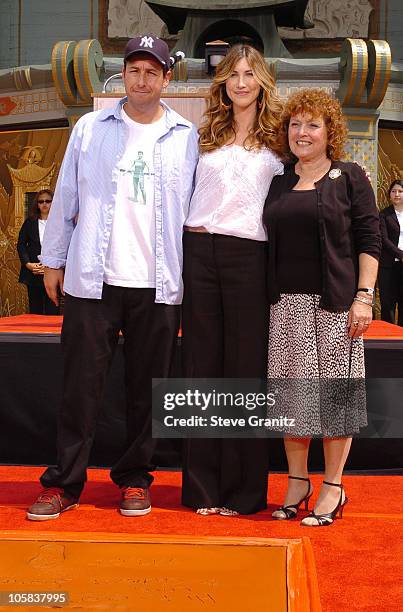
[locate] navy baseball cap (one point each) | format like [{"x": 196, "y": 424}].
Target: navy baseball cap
[{"x": 148, "y": 43}]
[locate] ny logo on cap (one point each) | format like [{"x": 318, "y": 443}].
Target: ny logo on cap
[{"x": 147, "y": 41}]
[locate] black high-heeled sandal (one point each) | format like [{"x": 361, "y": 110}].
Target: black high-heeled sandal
[
  {"x": 291, "y": 511},
  {"x": 323, "y": 520}
]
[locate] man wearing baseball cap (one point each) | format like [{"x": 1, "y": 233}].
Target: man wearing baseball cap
[
  {"x": 152, "y": 45},
  {"x": 127, "y": 176}
]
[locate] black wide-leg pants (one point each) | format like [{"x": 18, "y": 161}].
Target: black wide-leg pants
[
  {"x": 224, "y": 334},
  {"x": 39, "y": 301},
  {"x": 390, "y": 283},
  {"x": 90, "y": 335}
]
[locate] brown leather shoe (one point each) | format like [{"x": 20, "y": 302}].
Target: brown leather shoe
[
  {"x": 50, "y": 504},
  {"x": 135, "y": 501}
]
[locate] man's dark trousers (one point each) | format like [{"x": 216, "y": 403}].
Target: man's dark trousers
[{"x": 90, "y": 335}]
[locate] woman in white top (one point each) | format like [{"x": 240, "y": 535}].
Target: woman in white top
[
  {"x": 390, "y": 277},
  {"x": 29, "y": 247},
  {"x": 225, "y": 311}
]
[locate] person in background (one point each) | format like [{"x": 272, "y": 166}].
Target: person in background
[
  {"x": 324, "y": 245},
  {"x": 29, "y": 248},
  {"x": 390, "y": 277},
  {"x": 225, "y": 309}
]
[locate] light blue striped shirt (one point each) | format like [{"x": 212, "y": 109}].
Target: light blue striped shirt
[{"x": 86, "y": 188}]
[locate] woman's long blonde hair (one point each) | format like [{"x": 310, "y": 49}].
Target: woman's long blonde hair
[{"x": 218, "y": 128}]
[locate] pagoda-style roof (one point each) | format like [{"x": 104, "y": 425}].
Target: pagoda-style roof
[
  {"x": 289, "y": 13},
  {"x": 31, "y": 173}
]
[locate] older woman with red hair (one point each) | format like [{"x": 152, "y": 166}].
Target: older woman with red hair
[{"x": 324, "y": 246}]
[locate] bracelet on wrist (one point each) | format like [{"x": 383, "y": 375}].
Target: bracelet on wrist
[
  {"x": 366, "y": 301},
  {"x": 368, "y": 290}
]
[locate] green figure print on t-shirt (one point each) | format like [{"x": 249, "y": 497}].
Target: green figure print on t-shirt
[{"x": 139, "y": 169}]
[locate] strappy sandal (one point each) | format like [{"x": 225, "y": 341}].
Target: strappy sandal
[
  {"x": 208, "y": 511},
  {"x": 323, "y": 520},
  {"x": 291, "y": 511}
]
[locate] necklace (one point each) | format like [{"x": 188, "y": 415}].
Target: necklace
[{"x": 313, "y": 174}]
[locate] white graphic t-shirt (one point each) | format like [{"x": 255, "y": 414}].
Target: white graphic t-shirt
[
  {"x": 130, "y": 257},
  {"x": 41, "y": 228}
]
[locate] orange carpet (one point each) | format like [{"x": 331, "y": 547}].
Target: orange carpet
[
  {"x": 31, "y": 324},
  {"x": 41, "y": 324},
  {"x": 358, "y": 559}
]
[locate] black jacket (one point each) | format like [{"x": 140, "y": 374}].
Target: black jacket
[
  {"x": 348, "y": 225},
  {"x": 29, "y": 247},
  {"x": 390, "y": 232}
]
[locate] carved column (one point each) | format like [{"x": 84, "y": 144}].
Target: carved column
[
  {"x": 365, "y": 69},
  {"x": 78, "y": 73}
]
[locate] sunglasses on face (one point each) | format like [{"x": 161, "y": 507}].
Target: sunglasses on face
[{"x": 44, "y": 201}]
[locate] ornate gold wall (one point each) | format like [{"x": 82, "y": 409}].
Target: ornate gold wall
[
  {"x": 29, "y": 161},
  {"x": 390, "y": 162},
  {"x": 390, "y": 167}
]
